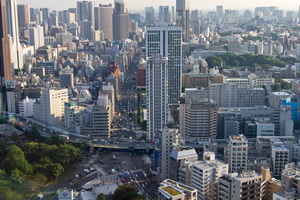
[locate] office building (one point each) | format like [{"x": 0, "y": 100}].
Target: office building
[
  {"x": 23, "y": 16},
  {"x": 51, "y": 106},
  {"x": 13, "y": 32},
  {"x": 156, "y": 45},
  {"x": 157, "y": 94},
  {"x": 110, "y": 91},
  {"x": 120, "y": 21},
  {"x": 219, "y": 10},
  {"x": 224, "y": 94},
  {"x": 85, "y": 30},
  {"x": 149, "y": 15},
  {"x": 237, "y": 153},
  {"x": 99, "y": 123},
  {"x": 66, "y": 77},
  {"x": 204, "y": 175},
  {"x": 248, "y": 185},
  {"x": 183, "y": 18},
  {"x": 26, "y": 107},
  {"x": 280, "y": 157},
  {"x": 85, "y": 11},
  {"x": 198, "y": 119},
  {"x": 74, "y": 117},
  {"x": 165, "y": 14},
  {"x": 179, "y": 156},
  {"x": 290, "y": 177},
  {"x": 12, "y": 101},
  {"x": 104, "y": 20},
  {"x": 172, "y": 190},
  {"x": 196, "y": 80},
  {"x": 5, "y": 56},
  {"x": 169, "y": 139},
  {"x": 36, "y": 36}
]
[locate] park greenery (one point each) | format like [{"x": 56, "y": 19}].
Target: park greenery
[
  {"x": 247, "y": 60},
  {"x": 127, "y": 192},
  {"x": 28, "y": 166}
]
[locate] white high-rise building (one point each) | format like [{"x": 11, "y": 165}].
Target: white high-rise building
[
  {"x": 13, "y": 32},
  {"x": 51, "y": 107},
  {"x": 157, "y": 94},
  {"x": 205, "y": 176},
  {"x": 110, "y": 91},
  {"x": 237, "y": 153},
  {"x": 165, "y": 40},
  {"x": 36, "y": 36},
  {"x": 26, "y": 107}
]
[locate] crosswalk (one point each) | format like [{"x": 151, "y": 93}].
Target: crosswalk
[{"x": 100, "y": 169}]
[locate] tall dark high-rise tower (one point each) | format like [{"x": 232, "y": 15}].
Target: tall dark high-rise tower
[
  {"x": 120, "y": 21},
  {"x": 5, "y": 58},
  {"x": 183, "y": 18}
]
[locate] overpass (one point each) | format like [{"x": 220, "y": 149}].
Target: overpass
[{"x": 218, "y": 143}]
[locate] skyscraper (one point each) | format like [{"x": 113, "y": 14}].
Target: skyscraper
[
  {"x": 120, "y": 21},
  {"x": 165, "y": 14},
  {"x": 85, "y": 30},
  {"x": 157, "y": 94},
  {"x": 165, "y": 40},
  {"x": 36, "y": 36},
  {"x": 219, "y": 10},
  {"x": 104, "y": 21},
  {"x": 13, "y": 32},
  {"x": 5, "y": 60},
  {"x": 149, "y": 13},
  {"x": 23, "y": 15},
  {"x": 183, "y": 17},
  {"x": 85, "y": 11}
]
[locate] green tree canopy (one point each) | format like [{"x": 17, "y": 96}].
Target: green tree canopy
[
  {"x": 125, "y": 192},
  {"x": 16, "y": 160},
  {"x": 101, "y": 197}
]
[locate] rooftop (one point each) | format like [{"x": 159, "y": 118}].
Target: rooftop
[
  {"x": 170, "y": 190},
  {"x": 237, "y": 138}
]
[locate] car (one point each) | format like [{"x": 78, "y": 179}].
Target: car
[{"x": 143, "y": 185}]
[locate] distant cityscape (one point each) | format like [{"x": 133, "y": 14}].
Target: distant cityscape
[{"x": 167, "y": 103}]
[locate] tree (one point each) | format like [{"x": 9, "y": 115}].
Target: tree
[
  {"x": 125, "y": 192},
  {"x": 276, "y": 87},
  {"x": 54, "y": 170},
  {"x": 3, "y": 147},
  {"x": 15, "y": 160},
  {"x": 101, "y": 197},
  {"x": 34, "y": 151},
  {"x": 7, "y": 193},
  {"x": 285, "y": 85},
  {"x": 65, "y": 154},
  {"x": 33, "y": 133},
  {"x": 144, "y": 125},
  {"x": 139, "y": 197}
]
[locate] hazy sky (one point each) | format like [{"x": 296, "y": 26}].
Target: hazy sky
[{"x": 194, "y": 4}]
